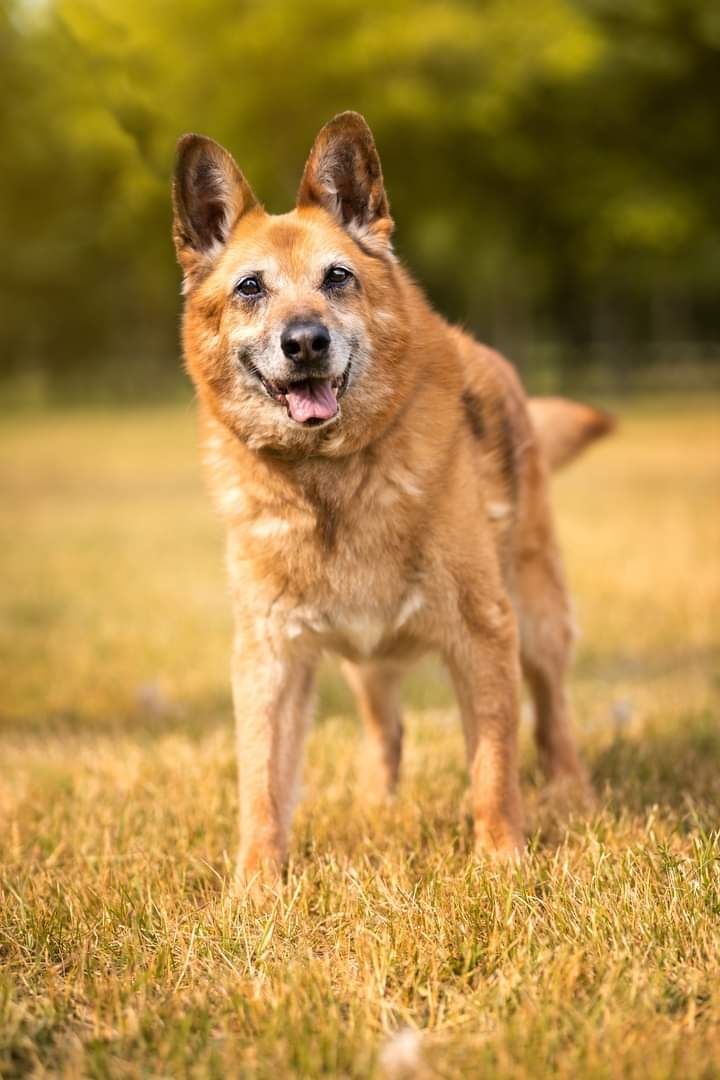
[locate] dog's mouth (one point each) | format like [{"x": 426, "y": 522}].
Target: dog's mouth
[{"x": 311, "y": 401}]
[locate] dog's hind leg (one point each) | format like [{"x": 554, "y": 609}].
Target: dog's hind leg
[
  {"x": 546, "y": 640},
  {"x": 376, "y": 687}
]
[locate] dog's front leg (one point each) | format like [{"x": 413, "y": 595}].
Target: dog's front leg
[
  {"x": 483, "y": 662},
  {"x": 272, "y": 693}
]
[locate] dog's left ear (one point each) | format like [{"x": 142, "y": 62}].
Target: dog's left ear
[{"x": 343, "y": 175}]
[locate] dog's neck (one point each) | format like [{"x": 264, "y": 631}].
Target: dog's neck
[{"x": 390, "y": 474}]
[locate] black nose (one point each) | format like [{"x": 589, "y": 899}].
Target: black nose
[{"x": 304, "y": 342}]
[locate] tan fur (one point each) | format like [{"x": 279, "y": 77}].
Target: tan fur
[
  {"x": 417, "y": 520},
  {"x": 564, "y": 428}
]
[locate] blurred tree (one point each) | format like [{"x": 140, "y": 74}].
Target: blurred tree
[{"x": 552, "y": 166}]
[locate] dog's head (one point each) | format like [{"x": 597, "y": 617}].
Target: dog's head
[{"x": 293, "y": 323}]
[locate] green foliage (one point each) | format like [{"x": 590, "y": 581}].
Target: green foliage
[{"x": 550, "y": 165}]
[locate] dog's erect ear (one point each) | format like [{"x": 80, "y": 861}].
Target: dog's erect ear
[
  {"x": 210, "y": 194},
  {"x": 343, "y": 175}
]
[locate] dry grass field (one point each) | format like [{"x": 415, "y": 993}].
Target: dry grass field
[{"x": 391, "y": 952}]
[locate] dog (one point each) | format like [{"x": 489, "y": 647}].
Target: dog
[{"x": 384, "y": 488}]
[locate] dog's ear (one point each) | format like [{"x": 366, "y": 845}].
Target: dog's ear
[
  {"x": 343, "y": 175},
  {"x": 210, "y": 195}
]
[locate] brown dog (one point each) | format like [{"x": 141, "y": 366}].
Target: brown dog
[{"x": 382, "y": 484}]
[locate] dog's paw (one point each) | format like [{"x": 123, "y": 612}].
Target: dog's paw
[
  {"x": 569, "y": 792},
  {"x": 258, "y": 876},
  {"x": 500, "y": 842}
]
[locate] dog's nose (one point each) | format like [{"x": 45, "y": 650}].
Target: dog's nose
[{"x": 305, "y": 342}]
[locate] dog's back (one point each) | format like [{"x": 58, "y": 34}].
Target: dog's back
[{"x": 520, "y": 440}]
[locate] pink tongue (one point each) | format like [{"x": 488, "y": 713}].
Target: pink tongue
[{"x": 311, "y": 400}]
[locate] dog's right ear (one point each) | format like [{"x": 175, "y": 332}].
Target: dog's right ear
[{"x": 210, "y": 195}]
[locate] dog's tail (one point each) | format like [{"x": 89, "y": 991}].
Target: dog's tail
[{"x": 564, "y": 428}]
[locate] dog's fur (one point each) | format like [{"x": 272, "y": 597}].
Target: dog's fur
[{"x": 415, "y": 519}]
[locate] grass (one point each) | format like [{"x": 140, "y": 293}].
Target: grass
[{"x": 391, "y": 952}]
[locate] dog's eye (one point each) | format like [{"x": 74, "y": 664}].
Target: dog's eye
[
  {"x": 336, "y": 275},
  {"x": 249, "y": 286}
]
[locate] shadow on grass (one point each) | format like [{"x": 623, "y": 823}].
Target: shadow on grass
[
  {"x": 149, "y": 713},
  {"x": 613, "y": 666},
  {"x": 144, "y": 720},
  {"x": 675, "y": 768}
]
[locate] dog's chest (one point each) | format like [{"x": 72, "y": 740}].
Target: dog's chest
[
  {"x": 339, "y": 571},
  {"x": 356, "y": 631}
]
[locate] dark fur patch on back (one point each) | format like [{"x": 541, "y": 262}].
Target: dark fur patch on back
[
  {"x": 474, "y": 413},
  {"x": 508, "y": 456}
]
